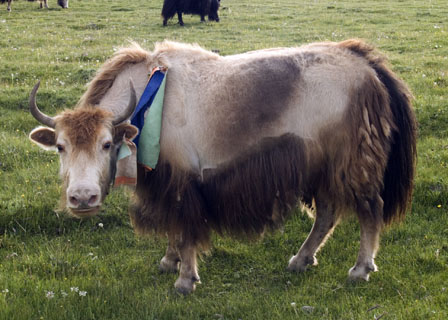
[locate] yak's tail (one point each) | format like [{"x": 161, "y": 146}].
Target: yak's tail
[
  {"x": 400, "y": 170},
  {"x": 401, "y": 163}
]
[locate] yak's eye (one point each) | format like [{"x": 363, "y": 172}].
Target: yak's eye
[
  {"x": 60, "y": 148},
  {"x": 107, "y": 146}
]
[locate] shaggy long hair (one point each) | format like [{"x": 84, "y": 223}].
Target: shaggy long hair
[
  {"x": 255, "y": 191},
  {"x": 401, "y": 161}
]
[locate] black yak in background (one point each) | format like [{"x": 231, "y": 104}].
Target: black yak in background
[{"x": 199, "y": 7}]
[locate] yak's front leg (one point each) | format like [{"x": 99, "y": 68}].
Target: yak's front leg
[
  {"x": 370, "y": 220},
  {"x": 179, "y": 17},
  {"x": 171, "y": 259},
  {"x": 325, "y": 222},
  {"x": 188, "y": 276}
]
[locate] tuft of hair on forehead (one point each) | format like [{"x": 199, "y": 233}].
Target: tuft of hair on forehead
[{"x": 82, "y": 125}]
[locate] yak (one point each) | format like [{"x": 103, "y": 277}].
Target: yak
[
  {"x": 62, "y": 3},
  {"x": 244, "y": 140},
  {"x": 199, "y": 7}
]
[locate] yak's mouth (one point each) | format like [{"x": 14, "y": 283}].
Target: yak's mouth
[{"x": 84, "y": 213}]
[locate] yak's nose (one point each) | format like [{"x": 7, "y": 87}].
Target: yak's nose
[{"x": 83, "y": 197}]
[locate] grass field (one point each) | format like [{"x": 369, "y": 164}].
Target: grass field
[{"x": 56, "y": 267}]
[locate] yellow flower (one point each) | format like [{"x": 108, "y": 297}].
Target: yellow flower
[{"x": 439, "y": 206}]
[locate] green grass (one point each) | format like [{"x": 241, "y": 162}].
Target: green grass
[{"x": 42, "y": 251}]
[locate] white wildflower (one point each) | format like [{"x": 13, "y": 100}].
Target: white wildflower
[
  {"x": 82, "y": 293},
  {"x": 64, "y": 294},
  {"x": 5, "y": 291},
  {"x": 74, "y": 289},
  {"x": 100, "y": 225},
  {"x": 49, "y": 295}
]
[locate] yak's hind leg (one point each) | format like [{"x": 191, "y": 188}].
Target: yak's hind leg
[
  {"x": 171, "y": 259},
  {"x": 371, "y": 222},
  {"x": 188, "y": 275},
  {"x": 324, "y": 224}
]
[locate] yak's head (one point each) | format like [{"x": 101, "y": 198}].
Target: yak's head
[
  {"x": 213, "y": 13},
  {"x": 87, "y": 139},
  {"x": 63, "y": 3}
]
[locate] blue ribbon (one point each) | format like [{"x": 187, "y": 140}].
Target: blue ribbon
[{"x": 138, "y": 118}]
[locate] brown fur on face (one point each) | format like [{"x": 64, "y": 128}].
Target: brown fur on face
[{"x": 82, "y": 125}]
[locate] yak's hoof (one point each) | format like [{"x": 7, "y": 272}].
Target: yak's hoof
[
  {"x": 361, "y": 272},
  {"x": 300, "y": 264},
  {"x": 186, "y": 285},
  {"x": 169, "y": 266}
]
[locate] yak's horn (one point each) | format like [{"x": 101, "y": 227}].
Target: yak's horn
[
  {"x": 130, "y": 108},
  {"x": 41, "y": 117}
]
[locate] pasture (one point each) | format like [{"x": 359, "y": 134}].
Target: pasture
[{"x": 55, "y": 267}]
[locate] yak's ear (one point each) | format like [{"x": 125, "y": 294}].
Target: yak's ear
[
  {"x": 125, "y": 130},
  {"x": 44, "y": 137}
]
